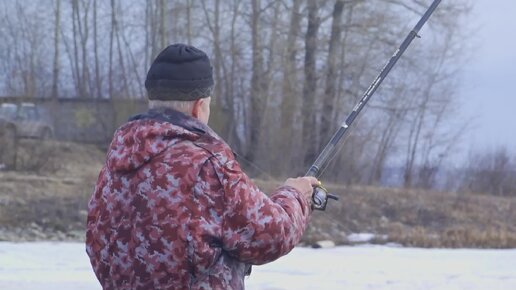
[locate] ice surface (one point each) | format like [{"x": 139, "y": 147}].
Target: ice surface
[
  {"x": 360, "y": 237},
  {"x": 45, "y": 266}
]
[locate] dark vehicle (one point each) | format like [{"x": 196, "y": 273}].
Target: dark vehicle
[
  {"x": 7, "y": 144},
  {"x": 26, "y": 119}
]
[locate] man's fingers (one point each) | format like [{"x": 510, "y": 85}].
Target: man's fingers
[
  {"x": 303, "y": 184},
  {"x": 312, "y": 180}
]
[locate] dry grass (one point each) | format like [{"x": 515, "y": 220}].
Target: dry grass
[
  {"x": 455, "y": 238},
  {"x": 36, "y": 155},
  {"x": 55, "y": 200},
  {"x": 426, "y": 218},
  {"x": 53, "y": 197},
  {"x": 414, "y": 217}
]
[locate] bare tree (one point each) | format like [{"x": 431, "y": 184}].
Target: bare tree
[
  {"x": 310, "y": 83},
  {"x": 162, "y": 28},
  {"x": 257, "y": 91},
  {"x": 232, "y": 97},
  {"x": 55, "y": 70},
  {"x": 98, "y": 83},
  {"x": 289, "y": 92},
  {"x": 189, "y": 21},
  {"x": 331, "y": 71},
  {"x": 286, "y": 72},
  {"x": 490, "y": 172}
]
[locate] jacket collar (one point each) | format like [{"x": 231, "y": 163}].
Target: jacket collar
[{"x": 178, "y": 119}]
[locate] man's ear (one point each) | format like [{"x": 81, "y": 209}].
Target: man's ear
[{"x": 196, "y": 108}]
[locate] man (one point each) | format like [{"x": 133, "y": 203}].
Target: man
[{"x": 172, "y": 208}]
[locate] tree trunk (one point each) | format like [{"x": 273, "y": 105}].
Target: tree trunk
[
  {"x": 270, "y": 134},
  {"x": 257, "y": 102},
  {"x": 222, "y": 81},
  {"x": 98, "y": 84},
  {"x": 163, "y": 28},
  {"x": 55, "y": 70},
  {"x": 310, "y": 84},
  {"x": 290, "y": 97},
  {"x": 331, "y": 73},
  {"x": 189, "y": 21},
  {"x": 111, "y": 40},
  {"x": 230, "y": 95},
  {"x": 78, "y": 78},
  {"x": 82, "y": 25}
]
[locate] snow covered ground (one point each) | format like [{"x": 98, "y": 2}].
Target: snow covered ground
[{"x": 45, "y": 266}]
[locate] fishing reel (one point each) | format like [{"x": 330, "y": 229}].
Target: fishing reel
[{"x": 320, "y": 197}]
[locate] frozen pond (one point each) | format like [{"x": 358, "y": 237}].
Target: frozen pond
[{"x": 45, "y": 266}]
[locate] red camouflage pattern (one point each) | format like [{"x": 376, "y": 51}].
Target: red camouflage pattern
[{"x": 172, "y": 209}]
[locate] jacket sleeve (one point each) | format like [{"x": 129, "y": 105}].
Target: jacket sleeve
[{"x": 258, "y": 229}]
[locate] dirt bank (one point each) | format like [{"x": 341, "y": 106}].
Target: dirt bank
[{"x": 49, "y": 203}]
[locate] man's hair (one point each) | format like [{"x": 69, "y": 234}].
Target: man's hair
[
  {"x": 181, "y": 106},
  {"x": 177, "y": 99}
]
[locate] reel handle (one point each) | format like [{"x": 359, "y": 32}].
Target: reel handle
[{"x": 320, "y": 197}]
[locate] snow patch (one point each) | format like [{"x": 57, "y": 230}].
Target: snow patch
[{"x": 46, "y": 266}]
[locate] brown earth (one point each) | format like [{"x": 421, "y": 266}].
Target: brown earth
[{"x": 46, "y": 200}]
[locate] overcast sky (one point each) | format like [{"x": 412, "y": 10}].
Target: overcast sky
[{"x": 487, "y": 94}]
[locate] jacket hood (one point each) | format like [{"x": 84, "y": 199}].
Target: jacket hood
[{"x": 147, "y": 135}]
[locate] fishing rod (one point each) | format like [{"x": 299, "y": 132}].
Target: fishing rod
[{"x": 320, "y": 195}]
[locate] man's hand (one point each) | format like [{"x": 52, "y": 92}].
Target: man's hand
[{"x": 303, "y": 185}]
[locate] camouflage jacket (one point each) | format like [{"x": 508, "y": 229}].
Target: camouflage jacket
[{"x": 172, "y": 209}]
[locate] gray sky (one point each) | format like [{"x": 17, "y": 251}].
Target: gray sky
[{"x": 487, "y": 94}]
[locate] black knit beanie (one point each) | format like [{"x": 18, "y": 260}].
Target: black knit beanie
[{"x": 180, "y": 72}]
